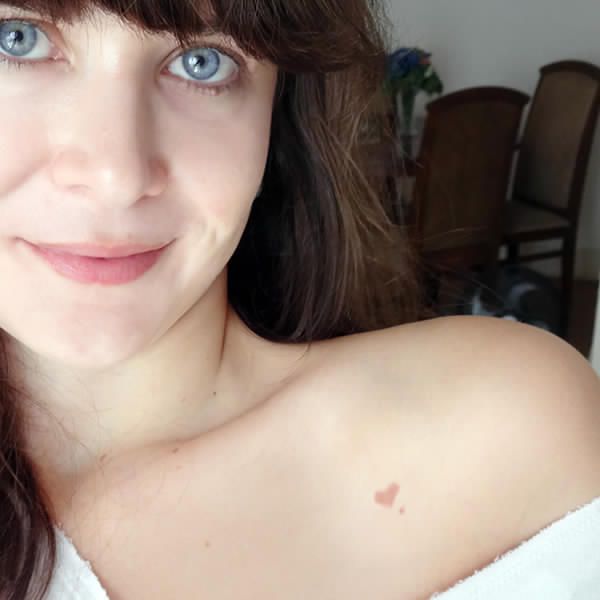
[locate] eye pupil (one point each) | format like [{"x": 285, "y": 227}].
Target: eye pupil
[{"x": 14, "y": 38}]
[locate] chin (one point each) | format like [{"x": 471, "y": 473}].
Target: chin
[{"x": 76, "y": 339}]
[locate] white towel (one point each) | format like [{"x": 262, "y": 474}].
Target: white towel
[
  {"x": 73, "y": 577},
  {"x": 561, "y": 562}
]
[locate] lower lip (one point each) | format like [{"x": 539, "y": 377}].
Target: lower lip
[{"x": 105, "y": 271}]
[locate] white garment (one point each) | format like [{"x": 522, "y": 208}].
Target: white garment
[
  {"x": 73, "y": 578},
  {"x": 561, "y": 562}
]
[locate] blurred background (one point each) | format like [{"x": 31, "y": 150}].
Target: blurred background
[{"x": 529, "y": 185}]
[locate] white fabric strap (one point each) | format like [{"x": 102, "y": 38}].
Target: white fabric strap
[
  {"x": 561, "y": 562},
  {"x": 73, "y": 578}
]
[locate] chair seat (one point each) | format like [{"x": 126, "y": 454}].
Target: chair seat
[{"x": 522, "y": 219}]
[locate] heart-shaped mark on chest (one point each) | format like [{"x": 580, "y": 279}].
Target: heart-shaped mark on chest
[{"x": 386, "y": 497}]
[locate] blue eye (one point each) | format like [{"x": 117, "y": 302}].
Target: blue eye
[
  {"x": 19, "y": 38},
  {"x": 204, "y": 65}
]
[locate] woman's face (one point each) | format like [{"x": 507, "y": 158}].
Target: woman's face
[{"x": 112, "y": 136}]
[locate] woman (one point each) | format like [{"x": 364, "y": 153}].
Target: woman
[{"x": 216, "y": 382}]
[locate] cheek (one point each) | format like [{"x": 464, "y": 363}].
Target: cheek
[
  {"x": 222, "y": 165},
  {"x": 22, "y": 143}
]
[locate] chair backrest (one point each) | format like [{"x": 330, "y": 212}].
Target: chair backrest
[
  {"x": 464, "y": 169},
  {"x": 555, "y": 148}
]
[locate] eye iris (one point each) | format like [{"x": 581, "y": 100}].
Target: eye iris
[
  {"x": 203, "y": 63},
  {"x": 17, "y": 38}
]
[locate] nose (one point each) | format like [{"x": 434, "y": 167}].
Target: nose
[{"x": 107, "y": 150}]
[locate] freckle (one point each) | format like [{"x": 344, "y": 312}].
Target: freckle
[
  {"x": 207, "y": 544},
  {"x": 175, "y": 450},
  {"x": 214, "y": 393},
  {"x": 386, "y": 497}
]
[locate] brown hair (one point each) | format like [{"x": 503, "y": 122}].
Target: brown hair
[{"x": 320, "y": 256}]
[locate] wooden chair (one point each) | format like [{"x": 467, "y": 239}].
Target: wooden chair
[
  {"x": 551, "y": 168},
  {"x": 462, "y": 181}
]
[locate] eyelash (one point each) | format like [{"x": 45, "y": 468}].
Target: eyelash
[{"x": 215, "y": 90}]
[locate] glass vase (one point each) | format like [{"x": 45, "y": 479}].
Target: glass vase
[{"x": 407, "y": 111}]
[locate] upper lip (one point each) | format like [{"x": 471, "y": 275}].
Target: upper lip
[{"x": 102, "y": 251}]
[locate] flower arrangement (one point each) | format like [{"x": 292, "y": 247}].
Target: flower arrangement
[{"x": 408, "y": 72}]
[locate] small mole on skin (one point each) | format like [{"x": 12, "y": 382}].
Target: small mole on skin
[
  {"x": 207, "y": 544},
  {"x": 175, "y": 450},
  {"x": 386, "y": 497}
]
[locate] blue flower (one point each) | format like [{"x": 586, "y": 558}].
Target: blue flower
[
  {"x": 410, "y": 70},
  {"x": 402, "y": 61}
]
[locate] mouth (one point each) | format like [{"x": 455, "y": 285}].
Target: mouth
[
  {"x": 86, "y": 263},
  {"x": 100, "y": 251}
]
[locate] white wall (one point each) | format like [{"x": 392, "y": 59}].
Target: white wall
[{"x": 505, "y": 42}]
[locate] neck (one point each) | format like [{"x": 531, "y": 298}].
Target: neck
[{"x": 196, "y": 377}]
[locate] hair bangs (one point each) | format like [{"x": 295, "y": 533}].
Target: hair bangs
[{"x": 308, "y": 36}]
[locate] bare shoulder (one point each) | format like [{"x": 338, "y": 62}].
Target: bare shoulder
[
  {"x": 522, "y": 388},
  {"x": 478, "y": 427},
  {"x": 525, "y": 393},
  {"x": 530, "y": 389}
]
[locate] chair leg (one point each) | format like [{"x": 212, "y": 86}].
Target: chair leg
[
  {"x": 432, "y": 287},
  {"x": 513, "y": 253},
  {"x": 568, "y": 273}
]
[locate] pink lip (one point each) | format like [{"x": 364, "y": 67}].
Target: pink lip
[
  {"x": 85, "y": 268},
  {"x": 100, "y": 251}
]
